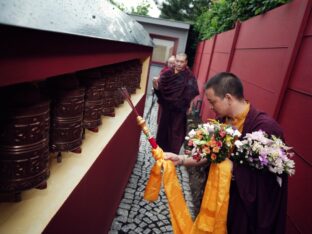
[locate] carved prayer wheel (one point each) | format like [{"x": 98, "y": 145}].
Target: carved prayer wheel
[
  {"x": 94, "y": 92},
  {"x": 24, "y": 140},
  {"x": 131, "y": 75},
  {"x": 119, "y": 99},
  {"x": 135, "y": 70},
  {"x": 67, "y": 114},
  {"x": 111, "y": 85}
]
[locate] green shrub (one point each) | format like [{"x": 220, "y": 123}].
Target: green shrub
[{"x": 222, "y": 15}]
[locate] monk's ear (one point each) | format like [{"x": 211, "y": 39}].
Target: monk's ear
[{"x": 229, "y": 97}]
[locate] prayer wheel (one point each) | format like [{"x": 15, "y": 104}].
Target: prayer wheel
[
  {"x": 117, "y": 95},
  {"x": 94, "y": 92},
  {"x": 111, "y": 100},
  {"x": 67, "y": 114},
  {"x": 24, "y": 140},
  {"x": 132, "y": 75}
]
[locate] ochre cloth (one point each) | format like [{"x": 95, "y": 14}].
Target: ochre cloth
[
  {"x": 213, "y": 212},
  {"x": 238, "y": 120},
  {"x": 180, "y": 216}
]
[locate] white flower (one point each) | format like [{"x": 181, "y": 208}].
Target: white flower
[
  {"x": 229, "y": 131},
  {"x": 187, "y": 138},
  {"x": 209, "y": 127},
  {"x": 237, "y": 133},
  {"x": 238, "y": 144},
  {"x": 192, "y": 133}
]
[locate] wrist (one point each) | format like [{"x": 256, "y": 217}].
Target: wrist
[{"x": 182, "y": 162}]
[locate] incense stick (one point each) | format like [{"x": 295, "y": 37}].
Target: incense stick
[
  {"x": 126, "y": 95},
  {"x": 140, "y": 120}
]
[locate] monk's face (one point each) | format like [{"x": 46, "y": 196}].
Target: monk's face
[
  {"x": 180, "y": 63},
  {"x": 171, "y": 62},
  {"x": 218, "y": 104}
]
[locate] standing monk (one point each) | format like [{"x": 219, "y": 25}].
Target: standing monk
[
  {"x": 175, "y": 89},
  {"x": 257, "y": 202}
]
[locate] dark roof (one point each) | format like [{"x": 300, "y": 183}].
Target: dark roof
[{"x": 90, "y": 18}]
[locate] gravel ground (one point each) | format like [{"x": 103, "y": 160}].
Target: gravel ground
[{"x": 135, "y": 215}]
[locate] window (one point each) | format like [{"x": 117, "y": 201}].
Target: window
[{"x": 164, "y": 48}]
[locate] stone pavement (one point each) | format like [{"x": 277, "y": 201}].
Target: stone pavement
[{"x": 135, "y": 215}]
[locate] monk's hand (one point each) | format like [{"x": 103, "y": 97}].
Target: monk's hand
[
  {"x": 189, "y": 110},
  {"x": 155, "y": 82},
  {"x": 176, "y": 159}
]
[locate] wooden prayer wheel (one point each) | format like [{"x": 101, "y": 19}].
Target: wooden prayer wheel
[
  {"x": 111, "y": 85},
  {"x": 135, "y": 71},
  {"x": 24, "y": 140},
  {"x": 131, "y": 75},
  {"x": 67, "y": 114},
  {"x": 94, "y": 92},
  {"x": 117, "y": 94},
  {"x": 108, "y": 108}
]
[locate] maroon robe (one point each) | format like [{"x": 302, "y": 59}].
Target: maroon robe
[
  {"x": 257, "y": 203},
  {"x": 164, "y": 69},
  {"x": 175, "y": 93}
]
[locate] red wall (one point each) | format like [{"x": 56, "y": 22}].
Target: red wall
[
  {"x": 29, "y": 55},
  {"x": 294, "y": 116},
  {"x": 272, "y": 54}
]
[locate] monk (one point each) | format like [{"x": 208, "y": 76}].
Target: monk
[
  {"x": 175, "y": 89},
  {"x": 169, "y": 65},
  {"x": 257, "y": 202}
]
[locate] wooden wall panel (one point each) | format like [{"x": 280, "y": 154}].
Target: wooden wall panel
[
  {"x": 295, "y": 116},
  {"x": 308, "y": 30},
  {"x": 201, "y": 79},
  {"x": 205, "y": 65},
  {"x": 261, "y": 70},
  {"x": 199, "y": 52},
  {"x": 299, "y": 196},
  {"x": 302, "y": 73},
  {"x": 275, "y": 28},
  {"x": 295, "y": 119},
  {"x": 207, "y": 113},
  {"x": 224, "y": 41}
]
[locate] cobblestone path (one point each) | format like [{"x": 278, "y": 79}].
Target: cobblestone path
[{"x": 135, "y": 215}]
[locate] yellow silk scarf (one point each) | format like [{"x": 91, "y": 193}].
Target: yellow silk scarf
[
  {"x": 180, "y": 216},
  {"x": 238, "y": 120},
  {"x": 212, "y": 217},
  {"x": 213, "y": 212}
]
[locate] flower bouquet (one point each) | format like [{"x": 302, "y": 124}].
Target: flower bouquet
[
  {"x": 260, "y": 151},
  {"x": 211, "y": 140}
]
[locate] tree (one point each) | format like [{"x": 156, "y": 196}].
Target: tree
[
  {"x": 183, "y": 10},
  {"x": 119, "y": 5},
  {"x": 223, "y": 14},
  {"x": 141, "y": 9}
]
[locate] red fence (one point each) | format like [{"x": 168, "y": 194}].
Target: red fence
[{"x": 272, "y": 54}]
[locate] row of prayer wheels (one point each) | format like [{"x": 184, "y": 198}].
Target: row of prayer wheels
[{"x": 51, "y": 116}]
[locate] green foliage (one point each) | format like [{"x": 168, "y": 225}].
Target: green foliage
[
  {"x": 222, "y": 15},
  {"x": 183, "y": 10},
  {"x": 141, "y": 9},
  {"x": 120, "y": 6}
]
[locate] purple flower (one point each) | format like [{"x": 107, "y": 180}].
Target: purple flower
[{"x": 263, "y": 159}]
